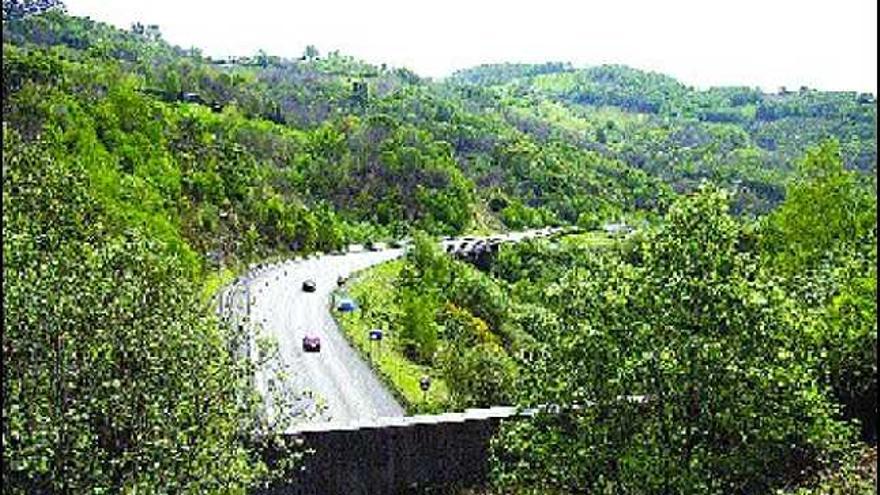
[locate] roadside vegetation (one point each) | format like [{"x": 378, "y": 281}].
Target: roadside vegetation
[{"x": 378, "y": 309}]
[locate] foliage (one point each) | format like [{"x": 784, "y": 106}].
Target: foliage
[
  {"x": 102, "y": 332},
  {"x": 823, "y": 242},
  {"x": 736, "y": 136},
  {"x": 731, "y": 401},
  {"x": 827, "y": 209},
  {"x": 477, "y": 370},
  {"x": 856, "y": 475},
  {"x": 417, "y": 328}
]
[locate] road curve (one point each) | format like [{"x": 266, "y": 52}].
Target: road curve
[{"x": 337, "y": 375}]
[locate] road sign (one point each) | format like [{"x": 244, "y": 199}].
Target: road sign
[
  {"x": 376, "y": 334},
  {"x": 425, "y": 383}
]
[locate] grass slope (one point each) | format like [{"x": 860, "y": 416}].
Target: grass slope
[{"x": 373, "y": 289}]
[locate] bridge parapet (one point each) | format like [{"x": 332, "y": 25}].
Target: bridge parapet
[{"x": 395, "y": 455}]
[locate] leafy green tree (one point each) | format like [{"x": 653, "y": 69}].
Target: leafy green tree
[
  {"x": 478, "y": 376},
  {"x": 114, "y": 378},
  {"x": 688, "y": 370},
  {"x": 417, "y": 328},
  {"x": 477, "y": 370},
  {"x": 427, "y": 268},
  {"x": 827, "y": 209},
  {"x": 822, "y": 242}
]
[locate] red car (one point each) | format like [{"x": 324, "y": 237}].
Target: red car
[{"x": 311, "y": 343}]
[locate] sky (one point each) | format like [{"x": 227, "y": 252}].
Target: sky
[{"x": 828, "y": 45}]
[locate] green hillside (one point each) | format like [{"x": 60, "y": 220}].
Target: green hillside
[{"x": 134, "y": 171}]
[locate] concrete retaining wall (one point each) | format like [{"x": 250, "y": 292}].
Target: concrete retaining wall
[{"x": 396, "y": 455}]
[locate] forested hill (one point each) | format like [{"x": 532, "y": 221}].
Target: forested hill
[
  {"x": 250, "y": 154},
  {"x": 731, "y": 135},
  {"x": 137, "y": 175}
]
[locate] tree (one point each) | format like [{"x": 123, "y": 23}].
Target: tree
[
  {"x": 729, "y": 398},
  {"x": 477, "y": 370},
  {"x": 826, "y": 210},
  {"x": 417, "y": 326},
  {"x": 114, "y": 378},
  {"x": 478, "y": 376},
  {"x": 311, "y": 52},
  {"x": 19, "y": 9},
  {"x": 822, "y": 242}
]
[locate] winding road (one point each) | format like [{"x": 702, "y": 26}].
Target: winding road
[{"x": 336, "y": 378}]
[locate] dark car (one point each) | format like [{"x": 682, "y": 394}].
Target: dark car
[
  {"x": 309, "y": 286},
  {"x": 371, "y": 246},
  {"x": 340, "y": 281},
  {"x": 311, "y": 343}
]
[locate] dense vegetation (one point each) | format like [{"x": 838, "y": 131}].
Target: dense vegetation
[
  {"x": 102, "y": 325},
  {"x": 707, "y": 354},
  {"x": 132, "y": 169},
  {"x": 735, "y": 136}
]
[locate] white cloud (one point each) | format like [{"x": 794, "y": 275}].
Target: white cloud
[{"x": 767, "y": 43}]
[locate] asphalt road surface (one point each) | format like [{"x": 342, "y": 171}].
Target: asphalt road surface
[{"x": 339, "y": 385}]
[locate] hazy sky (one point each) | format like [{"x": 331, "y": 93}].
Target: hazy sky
[{"x": 768, "y": 43}]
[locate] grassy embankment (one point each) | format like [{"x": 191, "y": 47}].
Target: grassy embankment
[{"x": 373, "y": 289}]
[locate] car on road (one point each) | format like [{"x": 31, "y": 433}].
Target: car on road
[
  {"x": 311, "y": 343},
  {"x": 371, "y": 246},
  {"x": 340, "y": 281},
  {"x": 345, "y": 305},
  {"x": 309, "y": 286}
]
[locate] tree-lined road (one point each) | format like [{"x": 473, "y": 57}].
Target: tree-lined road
[{"x": 336, "y": 375}]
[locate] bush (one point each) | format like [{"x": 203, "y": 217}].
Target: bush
[{"x": 480, "y": 375}]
